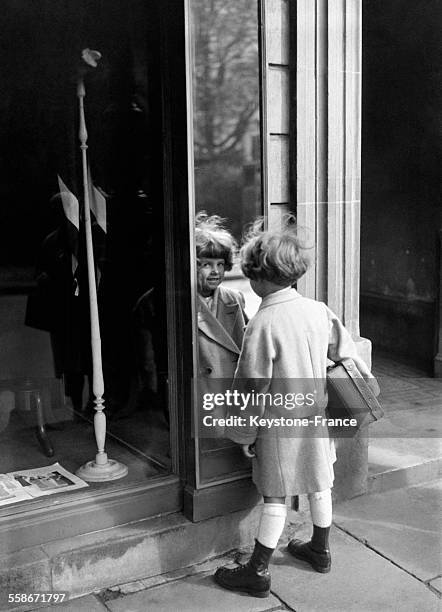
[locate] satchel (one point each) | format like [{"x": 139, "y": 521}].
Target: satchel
[{"x": 351, "y": 396}]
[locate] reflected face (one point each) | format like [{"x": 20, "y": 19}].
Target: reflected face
[{"x": 210, "y": 274}]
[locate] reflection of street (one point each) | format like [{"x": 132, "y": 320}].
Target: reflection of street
[
  {"x": 226, "y": 118},
  {"x": 236, "y": 280}
]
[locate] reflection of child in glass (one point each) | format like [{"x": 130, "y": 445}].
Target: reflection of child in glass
[
  {"x": 221, "y": 316},
  {"x": 290, "y": 338}
]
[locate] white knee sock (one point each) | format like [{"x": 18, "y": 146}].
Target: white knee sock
[
  {"x": 321, "y": 508},
  {"x": 272, "y": 524}
]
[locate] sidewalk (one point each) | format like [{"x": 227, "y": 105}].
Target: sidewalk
[
  {"x": 405, "y": 446},
  {"x": 386, "y": 551},
  {"x": 386, "y": 546}
]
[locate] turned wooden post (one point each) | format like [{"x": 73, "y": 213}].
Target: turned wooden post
[{"x": 102, "y": 468}]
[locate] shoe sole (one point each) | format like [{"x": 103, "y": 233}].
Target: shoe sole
[
  {"x": 260, "y": 594},
  {"x": 318, "y": 568}
]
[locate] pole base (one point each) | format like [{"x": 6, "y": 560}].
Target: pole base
[{"x": 92, "y": 472}]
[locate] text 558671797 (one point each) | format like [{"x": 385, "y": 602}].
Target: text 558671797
[{"x": 36, "y": 597}]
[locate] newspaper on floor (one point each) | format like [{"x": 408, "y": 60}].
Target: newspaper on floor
[
  {"x": 37, "y": 482},
  {"x": 11, "y": 491}
]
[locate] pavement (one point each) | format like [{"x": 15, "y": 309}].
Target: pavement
[
  {"x": 405, "y": 446},
  {"x": 386, "y": 546},
  {"x": 386, "y": 556}
]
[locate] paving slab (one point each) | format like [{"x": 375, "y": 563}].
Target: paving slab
[
  {"x": 27, "y": 571},
  {"x": 437, "y": 584},
  {"x": 360, "y": 581},
  {"x": 192, "y": 594},
  {"x": 403, "y": 421},
  {"x": 90, "y": 603},
  {"x": 404, "y": 525},
  {"x": 132, "y": 587}
]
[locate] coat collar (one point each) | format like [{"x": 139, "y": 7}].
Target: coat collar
[
  {"x": 218, "y": 327},
  {"x": 226, "y": 298},
  {"x": 278, "y": 297}
]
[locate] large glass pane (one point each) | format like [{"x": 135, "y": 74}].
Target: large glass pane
[
  {"x": 226, "y": 117},
  {"x": 227, "y": 168},
  {"x": 46, "y": 405}
]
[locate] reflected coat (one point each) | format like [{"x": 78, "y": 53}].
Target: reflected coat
[
  {"x": 220, "y": 336},
  {"x": 219, "y": 342}
]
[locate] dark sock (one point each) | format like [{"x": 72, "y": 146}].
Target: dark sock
[
  {"x": 261, "y": 556},
  {"x": 320, "y": 538}
]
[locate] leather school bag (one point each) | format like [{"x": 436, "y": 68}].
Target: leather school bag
[{"x": 351, "y": 396}]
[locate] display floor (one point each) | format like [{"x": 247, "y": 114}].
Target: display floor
[{"x": 140, "y": 441}]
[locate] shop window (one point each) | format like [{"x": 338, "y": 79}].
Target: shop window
[{"x": 46, "y": 400}]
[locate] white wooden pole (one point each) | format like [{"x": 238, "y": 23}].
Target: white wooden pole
[{"x": 102, "y": 468}]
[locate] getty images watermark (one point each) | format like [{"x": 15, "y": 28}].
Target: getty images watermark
[
  {"x": 299, "y": 408},
  {"x": 282, "y": 408},
  {"x": 247, "y": 403}
]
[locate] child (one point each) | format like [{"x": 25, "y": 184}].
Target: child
[
  {"x": 289, "y": 340},
  {"x": 221, "y": 316}
]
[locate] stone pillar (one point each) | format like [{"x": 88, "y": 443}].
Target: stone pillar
[
  {"x": 326, "y": 152},
  {"x": 275, "y": 125}
]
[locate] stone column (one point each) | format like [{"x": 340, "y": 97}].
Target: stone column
[
  {"x": 326, "y": 153},
  {"x": 275, "y": 124}
]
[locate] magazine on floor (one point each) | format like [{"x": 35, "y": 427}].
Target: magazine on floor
[{"x": 37, "y": 482}]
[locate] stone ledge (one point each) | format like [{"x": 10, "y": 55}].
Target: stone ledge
[
  {"x": 404, "y": 477},
  {"x": 83, "y": 564}
]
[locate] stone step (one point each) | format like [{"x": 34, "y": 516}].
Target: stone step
[
  {"x": 83, "y": 564},
  {"x": 401, "y": 477},
  {"x": 394, "y": 463}
]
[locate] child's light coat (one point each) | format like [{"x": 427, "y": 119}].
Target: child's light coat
[{"x": 290, "y": 339}]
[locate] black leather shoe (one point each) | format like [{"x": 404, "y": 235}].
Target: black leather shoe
[
  {"x": 252, "y": 578},
  {"x": 320, "y": 561}
]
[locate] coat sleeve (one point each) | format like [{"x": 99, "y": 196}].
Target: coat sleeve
[
  {"x": 341, "y": 346},
  {"x": 258, "y": 351},
  {"x": 253, "y": 375},
  {"x": 242, "y": 303}
]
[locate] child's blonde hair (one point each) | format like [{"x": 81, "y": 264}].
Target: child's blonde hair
[
  {"x": 274, "y": 255},
  {"x": 212, "y": 240}
]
